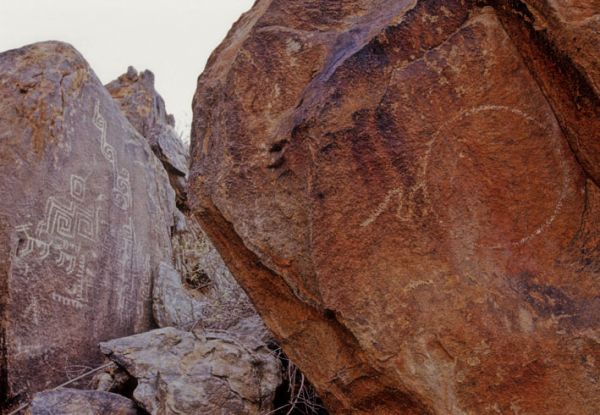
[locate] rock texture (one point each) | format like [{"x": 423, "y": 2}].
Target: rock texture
[
  {"x": 211, "y": 305},
  {"x": 85, "y": 216},
  {"x": 200, "y": 290},
  {"x": 80, "y": 402},
  {"x": 145, "y": 109},
  {"x": 408, "y": 191},
  {"x": 200, "y": 372}
]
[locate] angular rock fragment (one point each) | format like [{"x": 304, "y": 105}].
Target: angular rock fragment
[
  {"x": 200, "y": 372},
  {"x": 85, "y": 216},
  {"x": 145, "y": 109},
  {"x": 80, "y": 402},
  {"x": 407, "y": 192}
]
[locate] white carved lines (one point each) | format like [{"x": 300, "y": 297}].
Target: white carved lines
[
  {"x": 69, "y": 302},
  {"x": 394, "y": 193},
  {"x": 132, "y": 264},
  {"x": 404, "y": 200},
  {"x": 69, "y": 220},
  {"x": 29, "y": 245},
  {"x": 128, "y": 254},
  {"x": 32, "y": 311},
  {"x": 404, "y": 197},
  {"x": 121, "y": 186},
  {"x": 65, "y": 225},
  {"x": 77, "y": 188},
  {"x": 69, "y": 234}
]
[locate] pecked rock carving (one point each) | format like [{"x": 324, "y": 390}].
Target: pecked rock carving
[
  {"x": 408, "y": 193},
  {"x": 86, "y": 212}
]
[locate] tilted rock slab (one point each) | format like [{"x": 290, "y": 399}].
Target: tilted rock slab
[
  {"x": 200, "y": 289},
  {"x": 145, "y": 109},
  {"x": 85, "y": 216},
  {"x": 220, "y": 305},
  {"x": 80, "y": 402},
  {"x": 407, "y": 191},
  {"x": 198, "y": 373}
]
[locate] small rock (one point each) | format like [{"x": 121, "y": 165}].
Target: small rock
[{"x": 80, "y": 402}]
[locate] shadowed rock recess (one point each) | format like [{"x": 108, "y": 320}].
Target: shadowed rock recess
[{"x": 408, "y": 192}]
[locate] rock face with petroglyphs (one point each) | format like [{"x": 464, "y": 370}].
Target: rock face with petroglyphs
[
  {"x": 145, "y": 109},
  {"x": 407, "y": 191},
  {"x": 85, "y": 216}
]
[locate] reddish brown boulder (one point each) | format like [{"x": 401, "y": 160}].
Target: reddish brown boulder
[
  {"x": 85, "y": 217},
  {"x": 145, "y": 109},
  {"x": 408, "y": 193}
]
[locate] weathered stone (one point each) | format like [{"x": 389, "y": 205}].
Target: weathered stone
[
  {"x": 146, "y": 111},
  {"x": 393, "y": 186},
  {"x": 204, "y": 372},
  {"x": 202, "y": 290},
  {"x": 558, "y": 40},
  {"x": 172, "y": 304},
  {"x": 209, "y": 306},
  {"x": 80, "y": 402},
  {"x": 113, "y": 379},
  {"x": 85, "y": 216}
]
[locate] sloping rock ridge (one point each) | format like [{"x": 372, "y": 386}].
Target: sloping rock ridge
[
  {"x": 200, "y": 289},
  {"x": 408, "y": 192},
  {"x": 145, "y": 109},
  {"x": 86, "y": 211}
]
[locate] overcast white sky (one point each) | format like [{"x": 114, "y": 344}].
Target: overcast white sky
[{"x": 172, "y": 38}]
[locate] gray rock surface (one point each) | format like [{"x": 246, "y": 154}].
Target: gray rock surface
[
  {"x": 80, "y": 402},
  {"x": 145, "y": 109},
  {"x": 201, "y": 372},
  {"x": 85, "y": 216},
  {"x": 201, "y": 289},
  {"x": 173, "y": 305}
]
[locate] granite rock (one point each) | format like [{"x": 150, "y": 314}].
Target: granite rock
[
  {"x": 408, "y": 192},
  {"x": 80, "y": 402},
  {"x": 200, "y": 372},
  {"x": 86, "y": 211}
]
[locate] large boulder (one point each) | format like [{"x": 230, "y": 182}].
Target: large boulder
[
  {"x": 85, "y": 216},
  {"x": 408, "y": 193},
  {"x": 198, "y": 372},
  {"x": 145, "y": 109},
  {"x": 80, "y": 402}
]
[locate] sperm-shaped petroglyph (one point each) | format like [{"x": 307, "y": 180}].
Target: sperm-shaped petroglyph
[{"x": 404, "y": 197}]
